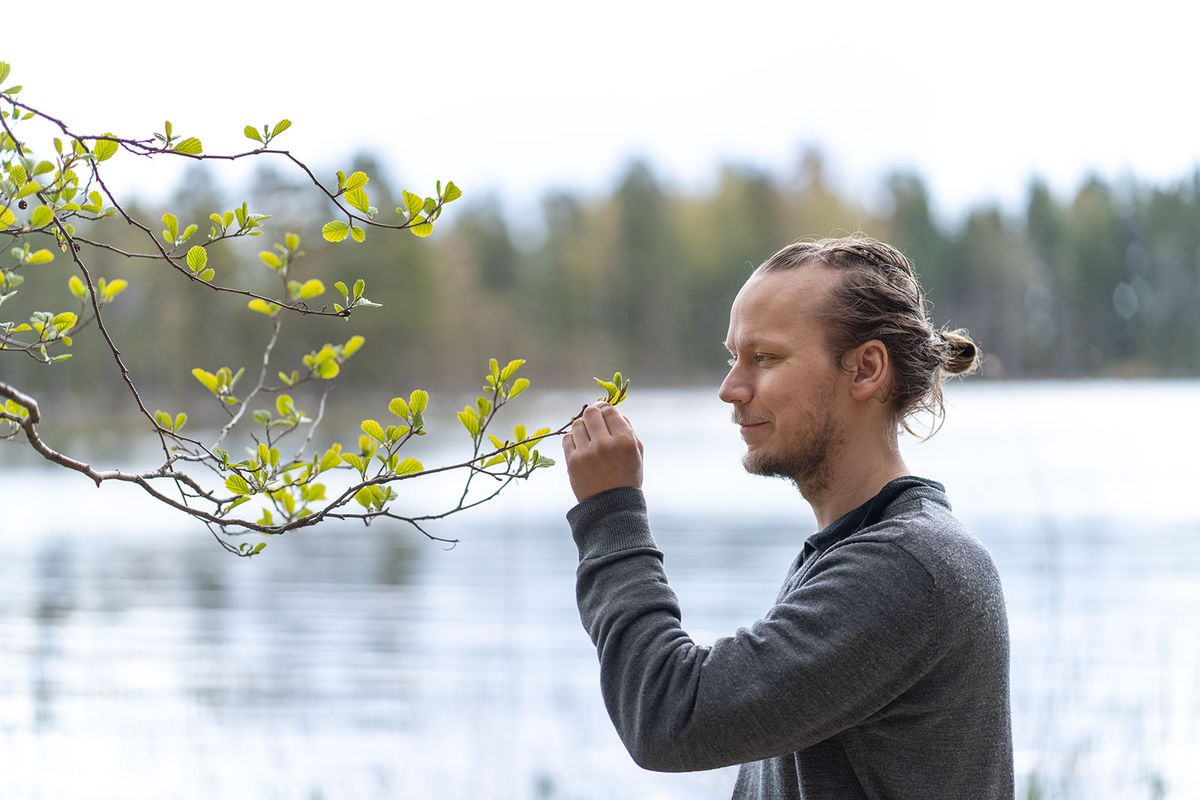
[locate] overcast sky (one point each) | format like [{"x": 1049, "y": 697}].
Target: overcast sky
[{"x": 519, "y": 97}]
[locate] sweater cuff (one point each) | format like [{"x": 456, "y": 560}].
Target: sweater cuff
[{"x": 610, "y": 521}]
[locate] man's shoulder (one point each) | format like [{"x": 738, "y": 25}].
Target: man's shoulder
[{"x": 920, "y": 528}]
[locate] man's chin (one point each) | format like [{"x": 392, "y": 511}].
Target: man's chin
[{"x": 757, "y": 464}]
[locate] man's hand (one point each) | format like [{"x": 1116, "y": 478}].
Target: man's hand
[{"x": 602, "y": 452}]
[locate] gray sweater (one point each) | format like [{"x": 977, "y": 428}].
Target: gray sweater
[{"x": 881, "y": 672}]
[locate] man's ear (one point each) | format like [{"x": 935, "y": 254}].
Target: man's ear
[{"x": 871, "y": 367}]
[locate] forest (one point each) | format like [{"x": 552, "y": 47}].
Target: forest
[{"x": 1103, "y": 282}]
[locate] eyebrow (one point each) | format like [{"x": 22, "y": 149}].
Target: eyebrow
[{"x": 754, "y": 343}]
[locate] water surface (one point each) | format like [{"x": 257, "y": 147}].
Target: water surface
[{"x": 141, "y": 661}]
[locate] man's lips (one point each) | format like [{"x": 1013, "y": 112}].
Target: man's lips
[{"x": 751, "y": 424}]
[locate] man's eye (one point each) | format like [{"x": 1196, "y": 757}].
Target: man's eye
[{"x": 758, "y": 358}]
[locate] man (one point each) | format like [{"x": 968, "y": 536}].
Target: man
[{"x": 882, "y": 670}]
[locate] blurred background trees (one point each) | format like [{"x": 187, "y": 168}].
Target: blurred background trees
[{"x": 1104, "y": 281}]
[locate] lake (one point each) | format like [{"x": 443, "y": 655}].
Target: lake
[{"x": 141, "y": 661}]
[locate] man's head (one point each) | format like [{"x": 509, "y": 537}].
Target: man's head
[{"x": 831, "y": 345}]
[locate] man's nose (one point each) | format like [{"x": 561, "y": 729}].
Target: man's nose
[{"x": 735, "y": 389}]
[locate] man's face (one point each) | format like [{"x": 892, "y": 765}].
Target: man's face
[{"x": 783, "y": 385}]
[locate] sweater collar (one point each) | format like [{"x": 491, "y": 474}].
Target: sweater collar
[{"x": 874, "y": 510}]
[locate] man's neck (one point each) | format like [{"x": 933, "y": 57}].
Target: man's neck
[{"x": 849, "y": 485}]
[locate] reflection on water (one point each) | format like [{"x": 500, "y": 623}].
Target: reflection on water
[{"x": 141, "y": 661}]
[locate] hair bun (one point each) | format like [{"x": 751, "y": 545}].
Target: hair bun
[{"x": 961, "y": 355}]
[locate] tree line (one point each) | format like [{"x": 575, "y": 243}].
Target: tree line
[{"x": 1103, "y": 281}]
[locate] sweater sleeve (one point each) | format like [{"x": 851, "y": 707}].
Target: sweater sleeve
[{"x": 836, "y": 650}]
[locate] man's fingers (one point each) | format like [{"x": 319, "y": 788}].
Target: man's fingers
[
  {"x": 568, "y": 445},
  {"x": 579, "y": 432},
  {"x": 593, "y": 420},
  {"x": 618, "y": 423}
]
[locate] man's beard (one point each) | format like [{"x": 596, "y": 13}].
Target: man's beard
[{"x": 807, "y": 462}]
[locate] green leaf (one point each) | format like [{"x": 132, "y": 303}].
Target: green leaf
[
  {"x": 413, "y": 203},
  {"x": 252, "y": 133},
  {"x": 311, "y": 288},
  {"x": 328, "y": 369},
  {"x": 285, "y": 405},
  {"x": 258, "y": 548},
  {"x": 359, "y": 287},
  {"x": 189, "y": 147},
  {"x": 358, "y": 198},
  {"x": 207, "y": 379},
  {"x": 373, "y": 429},
  {"x": 5, "y": 67},
  {"x": 491, "y": 462},
  {"x": 104, "y": 149},
  {"x": 351, "y": 346},
  {"x": 422, "y": 229},
  {"x": 280, "y": 127},
  {"x": 270, "y": 259},
  {"x": 42, "y": 256},
  {"x": 358, "y": 234},
  {"x": 113, "y": 289},
  {"x": 418, "y": 400},
  {"x": 180, "y": 420},
  {"x": 365, "y": 497},
  {"x": 292, "y": 241},
  {"x": 207, "y": 275},
  {"x": 197, "y": 258},
  {"x": 43, "y": 167},
  {"x": 7, "y": 217},
  {"x": 470, "y": 420},
  {"x": 519, "y": 385},
  {"x": 356, "y": 181},
  {"x": 326, "y": 353},
  {"x": 399, "y": 407},
  {"x": 76, "y": 286},
  {"x": 263, "y": 307},
  {"x": 511, "y": 368},
  {"x": 408, "y": 466},
  {"x": 452, "y": 193},
  {"x": 335, "y": 231},
  {"x": 237, "y": 484},
  {"x": 28, "y": 189},
  {"x": 42, "y": 215}
]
